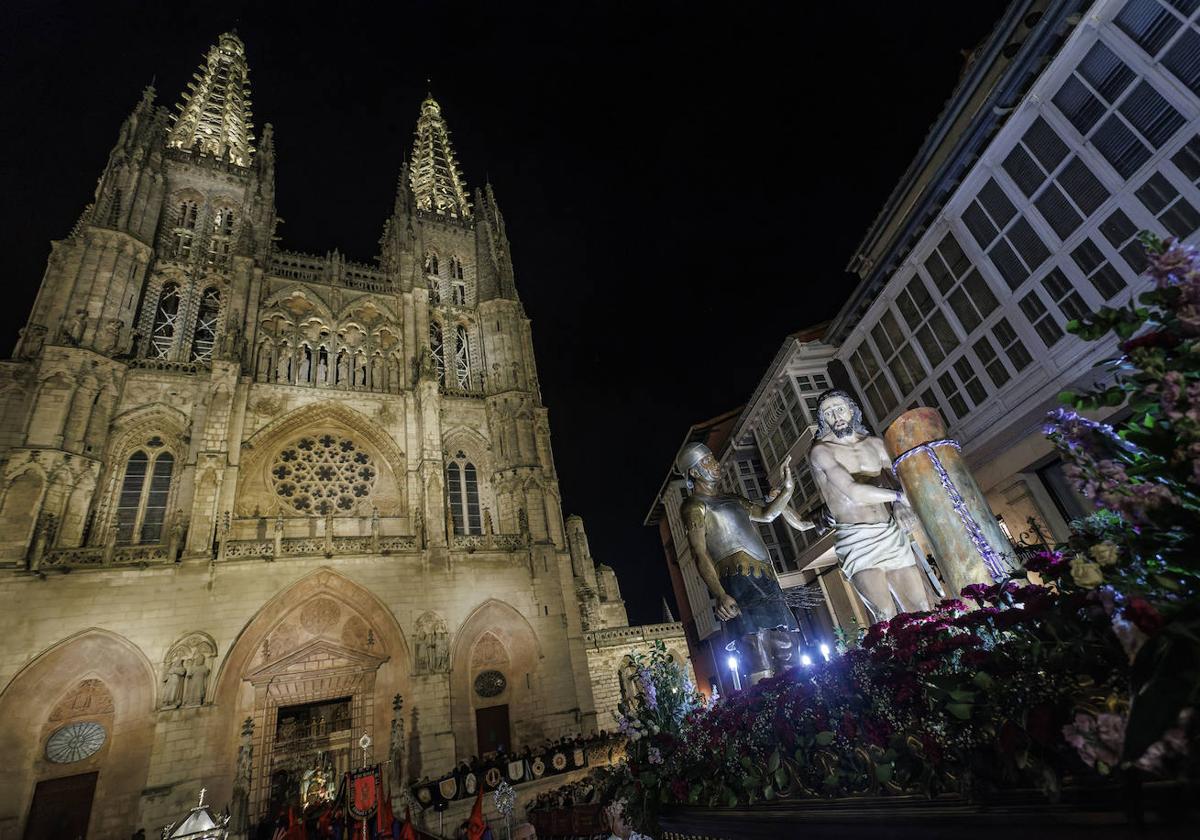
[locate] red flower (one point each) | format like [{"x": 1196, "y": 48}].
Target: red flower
[
  {"x": 977, "y": 592},
  {"x": 1049, "y": 564},
  {"x": 1142, "y": 613}
]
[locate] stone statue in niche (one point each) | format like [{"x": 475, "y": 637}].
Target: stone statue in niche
[
  {"x": 195, "y": 688},
  {"x": 186, "y": 671},
  {"x": 441, "y": 649},
  {"x": 873, "y": 550},
  {"x": 432, "y": 646},
  {"x": 173, "y": 684}
]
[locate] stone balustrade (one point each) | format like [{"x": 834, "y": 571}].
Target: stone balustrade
[
  {"x": 614, "y": 636},
  {"x": 102, "y": 557}
]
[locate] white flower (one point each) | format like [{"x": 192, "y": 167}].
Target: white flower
[
  {"x": 1087, "y": 575},
  {"x": 1105, "y": 553}
]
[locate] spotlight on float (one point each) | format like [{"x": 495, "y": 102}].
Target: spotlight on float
[
  {"x": 825, "y": 651},
  {"x": 737, "y": 677},
  {"x": 806, "y": 660}
]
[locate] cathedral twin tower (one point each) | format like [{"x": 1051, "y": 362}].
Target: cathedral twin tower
[
  {"x": 172, "y": 277},
  {"x": 278, "y": 480}
]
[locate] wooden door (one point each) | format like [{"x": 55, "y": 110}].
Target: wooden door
[
  {"x": 491, "y": 728},
  {"x": 61, "y": 808}
]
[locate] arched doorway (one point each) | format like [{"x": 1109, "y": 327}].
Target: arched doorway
[
  {"x": 78, "y": 721},
  {"x": 494, "y": 674},
  {"x": 314, "y": 670}
]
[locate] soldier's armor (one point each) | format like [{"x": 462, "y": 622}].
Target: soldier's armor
[{"x": 728, "y": 529}]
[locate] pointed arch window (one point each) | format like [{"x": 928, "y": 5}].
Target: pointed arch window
[
  {"x": 205, "y": 337},
  {"x": 185, "y": 229},
  {"x": 459, "y": 292},
  {"x": 462, "y": 487},
  {"x": 166, "y": 320},
  {"x": 142, "y": 503},
  {"x": 462, "y": 357},
  {"x": 438, "y": 351},
  {"x": 431, "y": 264},
  {"x": 221, "y": 244}
]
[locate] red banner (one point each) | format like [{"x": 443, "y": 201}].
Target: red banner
[{"x": 363, "y": 795}]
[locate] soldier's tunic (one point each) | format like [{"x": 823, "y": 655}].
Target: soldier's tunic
[{"x": 742, "y": 562}]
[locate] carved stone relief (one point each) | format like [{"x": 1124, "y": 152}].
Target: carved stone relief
[{"x": 186, "y": 669}]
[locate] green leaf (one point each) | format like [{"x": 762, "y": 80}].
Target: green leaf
[
  {"x": 962, "y": 711},
  {"x": 768, "y": 792},
  {"x": 984, "y": 680},
  {"x": 801, "y": 758},
  {"x": 824, "y": 739},
  {"x": 745, "y": 762},
  {"x": 884, "y": 772},
  {"x": 781, "y": 777},
  {"x": 773, "y": 762},
  {"x": 961, "y": 696}
]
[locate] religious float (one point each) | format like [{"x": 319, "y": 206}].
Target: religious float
[{"x": 1051, "y": 694}]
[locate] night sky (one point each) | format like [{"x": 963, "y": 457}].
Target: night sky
[{"x": 683, "y": 183}]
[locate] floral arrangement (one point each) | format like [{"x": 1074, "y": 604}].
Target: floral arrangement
[{"x": 1088, "y": 670}]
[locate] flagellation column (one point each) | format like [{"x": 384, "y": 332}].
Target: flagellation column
[{"x": 966, "y": 538}]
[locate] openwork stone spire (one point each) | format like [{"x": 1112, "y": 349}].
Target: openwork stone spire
[
  {"x": 435, "y": 178},
  {"x": 214, "y": 116}
]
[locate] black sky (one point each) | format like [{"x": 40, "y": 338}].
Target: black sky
[{"x": 683, "y": 182}]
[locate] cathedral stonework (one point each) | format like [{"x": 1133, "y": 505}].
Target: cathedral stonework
[{"x": 248, "y": 496}]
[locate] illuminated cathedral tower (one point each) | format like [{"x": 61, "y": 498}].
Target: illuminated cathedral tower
[{"x": 287, "y": 488}]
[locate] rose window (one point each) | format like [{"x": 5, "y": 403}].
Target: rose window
[{"x": 323, "y": 474}]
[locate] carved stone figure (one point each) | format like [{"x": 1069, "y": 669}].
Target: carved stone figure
[
  {"x": 487, "y": 522},
  {"x": 197, "y": 681},
  {"x": 186, "y": 670},
  {"x": 173, "y": 684},
  {"x": 734, "y": 563},
  {"x": 874, "y": 552},
  {"x": 33, "y": 338},
  {"x": 432, "y": 646},
  {"x": 72, "y": 330},
  {"x": 239, "y": 806},
  {"x": 110, "y": 336},
  {"x": 441, "y": 649}
]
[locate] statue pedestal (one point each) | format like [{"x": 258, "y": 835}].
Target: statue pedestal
[{"x": 968, "y": 542}]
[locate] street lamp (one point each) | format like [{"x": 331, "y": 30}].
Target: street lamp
[
  {"x": 806, "y": 660},
  {"x": 825, "y": 651},
  {"x": 737, "y": 677}
]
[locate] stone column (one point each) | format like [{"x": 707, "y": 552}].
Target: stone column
[{"x": 969, "y": 544}]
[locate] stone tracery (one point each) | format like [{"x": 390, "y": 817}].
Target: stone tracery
[{"x": 323, "y": 473}]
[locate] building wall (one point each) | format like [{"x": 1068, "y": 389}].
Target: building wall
[
  {"x": 608, "y": 654},
  {"x": 1042, "y": 228}
]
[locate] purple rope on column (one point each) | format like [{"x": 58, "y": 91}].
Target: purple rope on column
[{"x": 995, "y": 566}]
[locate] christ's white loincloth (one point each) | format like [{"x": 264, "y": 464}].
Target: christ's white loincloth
[{"x": 871, "y": 545}]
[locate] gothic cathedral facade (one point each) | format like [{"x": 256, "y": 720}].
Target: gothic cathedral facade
[{"x": 244, "y": 489}]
